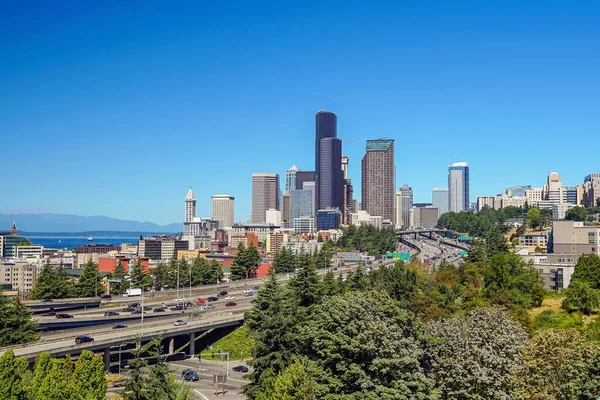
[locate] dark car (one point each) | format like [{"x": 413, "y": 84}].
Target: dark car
[
  {"x": 62, "y": 316},
  {"x": 222, "y": 293},
  {"x": 110, "y": 313},
  {"x": 159, "y": 310},
  {"x": 47, "y": 301},
  {"x": 191, "y": 376},
  {"x": 240, "y": 368},
  {"x": 49, "y": 314},
  {"x": 230, "y": 304},
  {"x": 83, "y": 339},
  {"x": 134, "y": 305},
  {"x": 178, "y": 307},
  {"x": 106, "y": 297},
  {"x": 119, "y": 326},
  {"x": 185, "y": 371},
  {"x": 212, "y": 298},
  {"x": 138, "y": 311}
]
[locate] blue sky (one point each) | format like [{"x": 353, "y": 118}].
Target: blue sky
[{"x": 116, "y": 108}]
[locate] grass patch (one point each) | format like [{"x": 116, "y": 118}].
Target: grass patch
[
  {"x": 238, "y": 343},
  {"x": 550, "y": 303}
]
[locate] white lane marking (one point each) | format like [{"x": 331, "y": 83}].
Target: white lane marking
[{"x": 203, "y": 396}]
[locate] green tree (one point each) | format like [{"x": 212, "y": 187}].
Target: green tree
[
  {"x": 246, "y": 262},
  {"x": 576, "y": 214},
  {"x": 559, "y": 365},
  {"x": 88, "y": 381},
  {"x": 508, "y": 279},
  {"x": 16, "y": 323},
  {"x": 587, "y": 270},
  {"x": 55, "y": 385},
  {"x": 51, "y": 284},
  {"x": 399, "y": 281},
  {"x": 305, "y": 285},
  {"x": 329, "y": 286},
  {"x": 13, "y": 377},
  {"x": 43, "y": 365},
  {"x": 160, "y": 276},
  {"x": 293, "y": 383},
  {"x": 580, "y": 296},
  {"x": 119, "y": 273},
  {"x": 535, "y": 219},
  {"x": 474, "y": 358},
  {"x": 323, "y": 258},
  {"x": 89, "y": 283},
  {"x": 139, "y": 279}
]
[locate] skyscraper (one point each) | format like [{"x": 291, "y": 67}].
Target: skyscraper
[
  {"x": 328, "y": 162},
  {"x": 301, "y": 204},
  {"x": 378, "y": 178},
  {"x": 439, "y": 199},
  {"x": 190, "y": 206},
  {"x": 404, "y": 203},
  {"x": 223, "y": 209},
  {"x": 265, "y": 195},
  {"x": 348, "y": 193},
  {"x": 458, "y": 187},
  {"x": 290, "y": 179}
]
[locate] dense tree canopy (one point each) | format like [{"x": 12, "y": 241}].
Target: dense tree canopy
[
  {"x": 52, "y": 284},
  {"x": 576, "y": 214},
  {"x": 367, "y": 238},
  {"x": 16, "y": 323},
  {"x": 246, "y": 262}
]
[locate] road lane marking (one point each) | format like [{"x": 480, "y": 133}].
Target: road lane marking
[{"x": 203, "y": 396}]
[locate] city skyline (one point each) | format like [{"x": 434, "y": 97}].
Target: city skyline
[{"x": 135, "y": 102}]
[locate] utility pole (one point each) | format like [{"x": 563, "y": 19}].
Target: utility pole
[{"x": 178, "y": 283}]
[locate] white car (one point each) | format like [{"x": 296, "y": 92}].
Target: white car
[
  {"x": 179, "y": 322},
  {"x": 230, "y": 298}
]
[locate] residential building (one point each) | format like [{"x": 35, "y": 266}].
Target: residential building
[
  {"x": 363, "y": 218},
  {"x": 21, "y": 275},
  {"x": 304, "y": 224},
  {"x": 458, "y": 187},
  {"x": 559, "y": 210},
  {"x": 162, "y": 248},
  {"x": 513, "y": 201},
  {"x": 378, "y": 178},
  {"x": 424, "y": 217},
  {"x": 265, "y": 195},
  {"x": 273, "y": 217},
  {"x": 328, "y": 162},
  {"x": 29, "y": 251},
  {"x": 439, "y": 199},
  {"x": 275, "y": 242},
  {"x": 95, "y": 249},
  {"x": 328, "y": 219},
  {"x": 575, "y": 237},
  {"x": 404, "y": 202},
  {"x": 554, "y": 270},
  {"x": 534, "y": 240},
  {"x": 260, "y": 230},
  {"x": 493, "y": 202},
  {"x": 303, "y": 247},
  {"x": 223, "y": 210},
  {"x": 290, "y": 179}
]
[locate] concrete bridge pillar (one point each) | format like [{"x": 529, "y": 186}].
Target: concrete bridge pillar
[
  {"x": 192, "y": 346},
  {"x": 172, "y": 345},
  {"x": 107, "y": 358}
]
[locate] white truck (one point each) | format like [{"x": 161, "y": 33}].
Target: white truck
[{"x": 132, "y": 293}]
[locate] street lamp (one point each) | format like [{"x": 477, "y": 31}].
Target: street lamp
[
  {"x": 120, "y": 354},
  {"x": 178, "y": 283}
]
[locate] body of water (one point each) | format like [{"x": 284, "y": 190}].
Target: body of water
[{"x": 70, "y": 242}]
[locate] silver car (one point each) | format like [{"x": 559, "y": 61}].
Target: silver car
[{"x": 179, "y": 322}]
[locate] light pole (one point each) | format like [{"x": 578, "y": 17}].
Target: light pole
[
  {"x": 177, "y": 283},
  {"x": 142, "y": 325},
  {"x": 120, "y": 354},
  {"x": 190, "y": 268}
]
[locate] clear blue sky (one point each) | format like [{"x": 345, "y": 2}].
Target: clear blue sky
[{"x": 115, "y": 108}]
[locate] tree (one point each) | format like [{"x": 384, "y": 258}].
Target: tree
[
  {"x": 51, "y": 284},
  {"x": 305, "y": 285},
  {"x": 598, "y": 202},
  {"x": 139, "y": 279},
  {"x": 354, "y": 360},
  {"x": 399, "y": 281},
  {"x": 580, "y": 296},
  {"x": 160, "y": 276},
  {"x": 13, "y": 373},
  {"x": 587, "y": 270},
  {"x": 16, "y": 323},
  {"x": 293, "y": 383},
  {"x": 89, "y": 283},
  {"x": 561, "y": 365},
  {"x": 55, "y": 385},
  {"x": 284, "y": 261},
  {"x": 245, "y": 263},
  {"x": 88, "y": 381},
  {"x": 535, "y": 219},
  {"x": 43, "y": 365},
  {"x": 119, "y": 273},
  {"x": 576, "y": 214},
  {"x": 474, "y": 358}
]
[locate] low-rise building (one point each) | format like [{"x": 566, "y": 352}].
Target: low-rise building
[
  {"x": 305, "y": 224},
  {"x": 534, "y": 240},
  {"x": 35, "y": 251},
  {"x": 363, "y": 218},
  {"x": 555, "y": 270},
  {"x": 575, "y": 237},
  {"x": 559, "y": 211}
]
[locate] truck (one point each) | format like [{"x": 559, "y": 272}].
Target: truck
[{"x": 132, "y": 292}]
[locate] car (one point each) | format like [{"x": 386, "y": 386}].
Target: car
[
  {"x": 249, "y": 294},
  {"x": 159, "y": 309},
  {"x": 179, "y": 322},
  {"x": 49, "y": 314},
  {"x": 138, "y": 311},
  {"x": 209, "y": 306},
  {"x": 110, "y": 313},
  {"x": 212, "y": 298},
  {"x": 119, "y": 326},
  {"x": 222, "y": 293},
  {"x": 256, "y": 287},
  {"x": 230, "y": 298},
  {"x": 191, "y": 376},
  {"x": 47, "y": 301},
  {"x": 335, "y": 268},
  {"x": 63, "y": 316},
  {"x": 83, "y": 339},
  {"x": 178, "y": 307},
  {"x": 128, "y": 309},
  {"x": 240, "y": 368},
  {"x": 185, "y": 371},
  {"x": 106, "y": 297},
  {"x": 230, "y": 304},
  {"x": 134, "y": 305}
]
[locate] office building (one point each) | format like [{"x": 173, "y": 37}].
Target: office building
[
  {"x": 363, "y": 218},
  {"x": 286, "y": 210},
  {"x": 304, "y": 224},
  {"x": 348, "y": 193},
  {"x": 223, "y": 210},
  {"x": 303, "y": 177},
  {"x": 162, "y": 248},
  {"x": 301, "y": 204},
  {"x": 404, "y": 203},
  {"x": 575, "y": 237},
  {"x": 518, "y": 191},
  {"x": 290, "y": 179},
  {"x": 554, "y": 270},
  {"x": 424, "y": 217},
  {"x": 273, "y": 217},
  {"x": 591, "y": 190},
  {"x": 378, "y": 178},
  {"x": 265, "y": 195},
  {"x": 458, "y": 187},
  {"x": 439, "y": 199},
  {"x": 29, "y": 251},
  {"x": 10, "y": 240},
  {"x": 534, "y": 196},
  {"x": 328, "y": 219},
  {"x": 559, "y": 210},
  {"x": 328, "y": 162},
  {"x": 513, "y": 201}
]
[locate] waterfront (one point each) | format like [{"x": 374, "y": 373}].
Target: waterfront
[{"x": 69, "y": 243}]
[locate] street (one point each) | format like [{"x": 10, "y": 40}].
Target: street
[{"x": 204, "y": 389}]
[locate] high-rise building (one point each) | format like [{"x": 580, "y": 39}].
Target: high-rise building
[
  {"x": 265, "y": 195},
  {"x": 190, "y": 206},
  {"x": 345, "y": 166},
  {"x": 301, "y": 204},
  {"x": 404, "y": 203},
  {"x": 439, "y": 199},
  {"x": 458, "y": 187},
  {"x": 328, "y": 162},
  {"x": 518, "y": 191},
  {"x": 285, "y": 211},
  {"x": 591, "y": 190},
  {"x": 378, "y": 178},
  {"x": 348, "y": 193},
  {"x": 303, "y": 177},
  {"x": 290, "y": 179},
  {"x": 312, "y": 187},
  {"x": 223, "y": 210}
]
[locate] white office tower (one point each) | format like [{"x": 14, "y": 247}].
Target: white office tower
[
  {"x": 439, "y": 199},
  {"x": 458, "y": 187},
  {"x": 190, "y": 206},
  {"x": 223, "y": 210}
]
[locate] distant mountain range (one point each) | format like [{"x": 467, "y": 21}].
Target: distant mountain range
[{"x": 77, "y": 223}]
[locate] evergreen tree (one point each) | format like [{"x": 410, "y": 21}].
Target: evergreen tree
[
  {"x": 580, "y": 296},
  {"x": 587, "y": 270},
  {"x": 13, "y": 373},
  {"x": 119, "y": 273},
  {"x": 16, "y": 324},
  {"x": 284, "y": 261},
  {"x": 305, "y": 285},
  {"x": 358, "y": 280},
  {"x": 88, "y": 381},
  {"x": 89, "y": 283},
  {"x": 323, "y": 258},
  {"x": 43, "y": 365},
  {"x": 246, "y": 262},
  {"x": 51, "y": 284},
  {"x": 399, "y": 281},
  {"x": 216, "y": 273},
  {"x": 329, "y": 286},
  {"x": 138, "y": 279}
]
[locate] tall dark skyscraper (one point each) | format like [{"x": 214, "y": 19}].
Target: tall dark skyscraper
[{"x": 328, "y": 163}]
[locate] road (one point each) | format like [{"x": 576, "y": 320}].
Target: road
[{"x": 204, "y": 389}]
